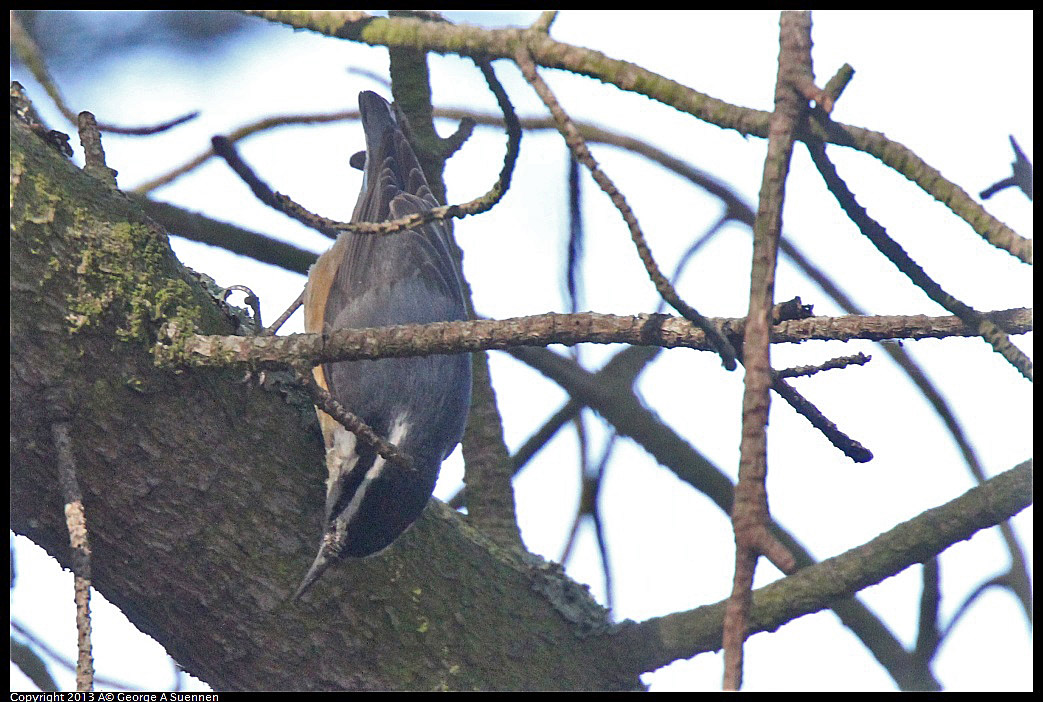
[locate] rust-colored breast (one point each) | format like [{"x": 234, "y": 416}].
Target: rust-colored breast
[{"x": 316, "y": 295}]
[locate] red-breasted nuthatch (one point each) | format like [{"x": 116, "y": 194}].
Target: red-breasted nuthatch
[{"x": 419, "y": 404}]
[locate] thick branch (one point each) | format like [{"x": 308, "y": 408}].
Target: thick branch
[{"x": 815, "y": 588}]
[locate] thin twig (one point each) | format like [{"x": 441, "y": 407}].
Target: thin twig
[
  {"x": 1021, "y": 175},
  {"x": 579, "y": 149},
  {"x": 858, "y": 359},
  {"x": 277, "y": 324},
  {"x": 240, "y": 134},
  {"x": 503, "y": 43},
  {"x": 223, "y": 147},
  {"x": 873, "y": 231},
  {"x": 30, "y": 55},
  {"x": 93, "y": 153},
  {"x": 406, "y": 340},
  {"x": 350, "y": 421},
  {"x": 76, "y": 522},
  {"x": 544, "y": 21}
]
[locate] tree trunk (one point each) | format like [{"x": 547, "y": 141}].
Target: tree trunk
[{"x": 204, "y": 490}]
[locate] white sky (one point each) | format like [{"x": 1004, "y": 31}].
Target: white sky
[{"x": 951, "y": 86}]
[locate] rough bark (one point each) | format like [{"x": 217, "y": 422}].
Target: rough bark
[{"x": 203, "y": 491}]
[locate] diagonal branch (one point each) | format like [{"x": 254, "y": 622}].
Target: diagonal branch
[
  {"x": 996, "y": 338},
  {"x": 582, "y": 154},
  {"x": 503, "y": 43},
  {"x": 814, "y": 588},
  {"x": 629, "y": 417}
]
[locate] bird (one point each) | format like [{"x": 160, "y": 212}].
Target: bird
[{"x": 419, "y": 404}]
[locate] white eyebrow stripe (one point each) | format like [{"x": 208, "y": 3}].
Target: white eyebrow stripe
[{"x": 399, "y": 429}]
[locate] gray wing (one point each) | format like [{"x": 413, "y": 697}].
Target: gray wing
[{"x": 407, "y": 277}]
